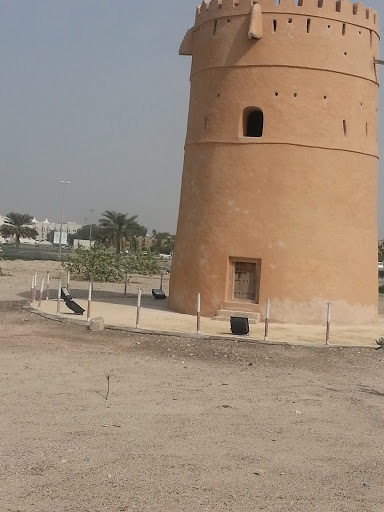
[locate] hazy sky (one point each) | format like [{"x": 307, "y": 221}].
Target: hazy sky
[{"x": 94, "y": 91}]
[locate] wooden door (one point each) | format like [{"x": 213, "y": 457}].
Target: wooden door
[{"x": 246, "y": 281}]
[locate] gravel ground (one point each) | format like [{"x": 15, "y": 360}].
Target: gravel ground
[{"x": 188, "y": 426}]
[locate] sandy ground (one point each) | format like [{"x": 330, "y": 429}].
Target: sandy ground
[
  {"x": 109, "y": 303},
  {"x": 16, "y": 281},
  {"x": 188, "y": 425}
]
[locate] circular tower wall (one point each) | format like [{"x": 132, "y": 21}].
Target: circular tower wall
[{"x": 278, "y": 194}]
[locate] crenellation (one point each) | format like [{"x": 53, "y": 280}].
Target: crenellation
[
  {"x": 216, "y": 4},
  {"x": 267, "y": 5},
  {"x": 328, "y": 6},
  {"x": 287, "y": 4},
  {"x": 360, "y": 12},
  {"x": 204, "y": 7},
  {"x": 340, "y": 10},
  {"x": 244, "y": 4}
]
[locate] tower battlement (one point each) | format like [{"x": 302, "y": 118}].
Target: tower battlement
[{"x": 338, "y": 10}]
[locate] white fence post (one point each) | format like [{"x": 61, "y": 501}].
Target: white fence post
[
  {"x": 138, "y": 308},
  {"x": 58, "y": 298},
  {"x": 328, "y": 323},
  {"x": 41, "y": 294},
  {"x": 47, "y": 290},
  {"x": 267, "y": 308},
  {"x": 198, "y": 313},
  {"x": 89, "y": 302},
  {"x": 32, "y": 289}
]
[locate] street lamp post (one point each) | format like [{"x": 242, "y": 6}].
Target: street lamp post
[
  {"x": 90, "y": 230},
  {"x": 62, "y": 215}
]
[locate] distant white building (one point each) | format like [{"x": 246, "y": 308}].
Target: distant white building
[{"x": 44, "y": 227}]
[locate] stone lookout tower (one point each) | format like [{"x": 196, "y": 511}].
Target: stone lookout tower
[{"x": 278, "y": 194}]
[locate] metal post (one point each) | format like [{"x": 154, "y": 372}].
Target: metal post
[
  {"x": 92, "y": 281},
  {"x": 68, "y": 279},
  {"x": 161, "y": 281},
  {"x": 267, "y": 319},
  {"x": 58, "y": 298},
  {"x": 198, "y": 314},
  {"x": 65, "y": 183},
  {"x": 89, "y": 302},
  {"x": 47, "y": 290},
  {"x": 138, "y": 308},
  {"x": 125, "y": 284},
  {"x": 41, "y": 294},
  {"x": 328, "y": 323},
  {"x": 90, "y": 230},
  {"x": 32, "y": 289}
]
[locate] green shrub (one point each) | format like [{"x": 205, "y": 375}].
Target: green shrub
[{"x": 107, "y": 266}]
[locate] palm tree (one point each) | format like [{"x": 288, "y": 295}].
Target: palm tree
[
  {"x": 19, "y": 226},
  {"x": 117, "y": 227},
  {"x": 380, "y": 250}
]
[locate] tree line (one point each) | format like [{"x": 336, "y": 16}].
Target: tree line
[{"x": 115, "y": 229}]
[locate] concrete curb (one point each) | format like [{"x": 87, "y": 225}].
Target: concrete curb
[{"x": 194, "y": 336}]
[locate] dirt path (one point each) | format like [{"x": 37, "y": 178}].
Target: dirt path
[{"x": 188, "y": 426}]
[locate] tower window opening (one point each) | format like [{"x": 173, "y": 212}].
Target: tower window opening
[
  {"x": 344, "y": 29},
  {"x": 355, "y": 8},
  {"x": 338, "y": 6},
  {"x": 253, "y": 122},
  {"x": 277, "y": 2},
  {"x": 206, "y": 122},
  {"x": 366, "y": 129},
  {"x": 274, "y": 25},
  {"x": 345, "y": 127},
  {"x": 367, "y": 14},
  {"x": 290, "y": 20},
  {"x": 308, "y": 25},
  {"x": 320, "y": 3},
  {"x": 215, "y": 28},
  {"x": 371, "y": 38}
]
